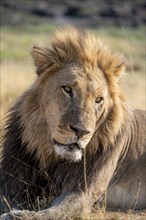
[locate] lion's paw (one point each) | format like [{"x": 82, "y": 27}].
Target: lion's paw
[
  {"x": 16, "y": 215},
  {"x": 7, "y": 217}
]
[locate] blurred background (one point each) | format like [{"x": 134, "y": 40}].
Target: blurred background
[{"x": 120, "y": 25}]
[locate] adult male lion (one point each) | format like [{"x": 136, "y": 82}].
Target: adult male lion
[{"x": 76, "y": 105}]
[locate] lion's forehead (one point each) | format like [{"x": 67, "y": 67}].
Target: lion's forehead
[{"x": 93, "y": 80}]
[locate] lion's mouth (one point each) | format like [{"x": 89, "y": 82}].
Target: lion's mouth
[
  {"x": 70, "y": 152},
  {"x": 70, "y": 147}
]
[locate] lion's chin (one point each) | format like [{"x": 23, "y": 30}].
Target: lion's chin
[{"x": 68, "y": 152}]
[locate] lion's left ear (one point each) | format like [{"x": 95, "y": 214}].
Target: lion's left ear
[
  {"x": 119, "y": 70},
  {"x": 41, "y": 58}
]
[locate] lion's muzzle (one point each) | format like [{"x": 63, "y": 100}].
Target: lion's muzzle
[{"x": 70, "y": 138}]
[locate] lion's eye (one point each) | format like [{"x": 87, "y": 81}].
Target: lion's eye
[
  {"x": 67, "y": 90},
  {"x": 99, "y": 100}
]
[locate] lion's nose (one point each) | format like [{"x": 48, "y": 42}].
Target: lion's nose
[{"x": 80, "y": 132}]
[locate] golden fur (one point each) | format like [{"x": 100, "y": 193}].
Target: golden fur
[
  {"x": 76, "y": 103},
  {"x": 72, "y": 46}
]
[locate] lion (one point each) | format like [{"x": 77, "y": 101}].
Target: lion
[{"x": 72, "y": 137}]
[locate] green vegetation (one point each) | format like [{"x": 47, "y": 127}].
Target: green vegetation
[{"x": 17, "y": 42}]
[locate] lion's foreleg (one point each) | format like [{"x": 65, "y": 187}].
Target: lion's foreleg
[{"x": 66, "y": 206}]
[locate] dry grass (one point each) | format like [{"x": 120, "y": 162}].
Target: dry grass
[
  {"x": 18, "y": 74},
  {"x": 130, "y": 215},
  {"x": 15, "y": 78}
]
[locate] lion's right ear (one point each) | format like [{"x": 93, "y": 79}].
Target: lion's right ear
[{"x": 41, "y": 58}]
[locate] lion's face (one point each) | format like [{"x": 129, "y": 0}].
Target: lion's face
[
  {"x": 79, "y": 92},
  {"x": 73, "y": 102}
]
